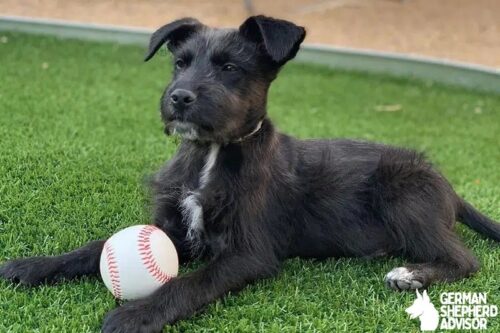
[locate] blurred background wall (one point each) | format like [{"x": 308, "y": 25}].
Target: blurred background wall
[{"x": 463, "y": 30}]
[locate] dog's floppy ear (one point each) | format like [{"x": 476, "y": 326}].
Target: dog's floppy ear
[
  {"x": 281, "y": 39},
  {"x": 172, "y": 34}
]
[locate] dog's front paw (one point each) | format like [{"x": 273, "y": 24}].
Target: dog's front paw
[
  {"x": 29, "y": 271},
  {"x": 133, "y": 317},
  {"x": 401, "y": 278}
]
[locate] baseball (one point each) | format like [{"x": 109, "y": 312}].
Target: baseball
[{"x": 138, "y": 260}]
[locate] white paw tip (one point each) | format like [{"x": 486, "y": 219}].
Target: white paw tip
[{"x": 399, "y": 273}]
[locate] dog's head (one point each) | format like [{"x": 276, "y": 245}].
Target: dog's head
[{"x": 221, "y": 77}]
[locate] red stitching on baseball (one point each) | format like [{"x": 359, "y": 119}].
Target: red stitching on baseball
[
  {"x": 114, "y": 275},
  {"x": 144, "y": 244}
]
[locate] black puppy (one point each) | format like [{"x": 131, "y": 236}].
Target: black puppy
[{"x": 246, "y": 197}]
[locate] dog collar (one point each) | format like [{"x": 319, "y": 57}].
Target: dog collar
[{"x": 255, "y": 130}]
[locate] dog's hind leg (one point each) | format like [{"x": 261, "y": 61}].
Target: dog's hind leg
[
  {"x": 418, "y": 208},
  {"x": 457, "y": 263},
  {"x": 426, "y": 237},
  {"x": 37, "y": 270}
]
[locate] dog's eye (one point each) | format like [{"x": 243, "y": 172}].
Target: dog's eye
[
  {"x": 229, "y": 68},
  {"x": 180, "y": 64}
]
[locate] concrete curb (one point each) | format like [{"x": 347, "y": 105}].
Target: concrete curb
[{"x": 393, "y": 64}]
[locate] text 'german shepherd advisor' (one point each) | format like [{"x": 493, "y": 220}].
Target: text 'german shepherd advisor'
[{"x": 245, "y": 197}]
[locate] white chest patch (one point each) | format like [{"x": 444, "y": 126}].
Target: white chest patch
[{"x": 192, "y": 210}]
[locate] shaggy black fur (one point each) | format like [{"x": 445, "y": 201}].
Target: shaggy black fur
[{"x": 265, "y": 196}]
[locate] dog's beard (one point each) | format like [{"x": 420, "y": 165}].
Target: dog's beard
[{"x": 186, "y": 130}]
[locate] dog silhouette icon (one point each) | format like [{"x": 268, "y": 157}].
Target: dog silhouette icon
[{"x": 423, "y": 309}]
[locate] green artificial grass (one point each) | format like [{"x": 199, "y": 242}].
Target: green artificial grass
[{"x": 80, "y": 128}]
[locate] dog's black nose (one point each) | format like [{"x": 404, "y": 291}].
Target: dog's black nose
[{"x": 182, "y": 97}]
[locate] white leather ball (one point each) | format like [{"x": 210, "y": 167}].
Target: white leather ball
[{"x": 138, "y": 260}]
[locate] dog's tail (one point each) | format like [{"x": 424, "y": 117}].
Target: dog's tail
[{"x": 475, "y": 220}]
